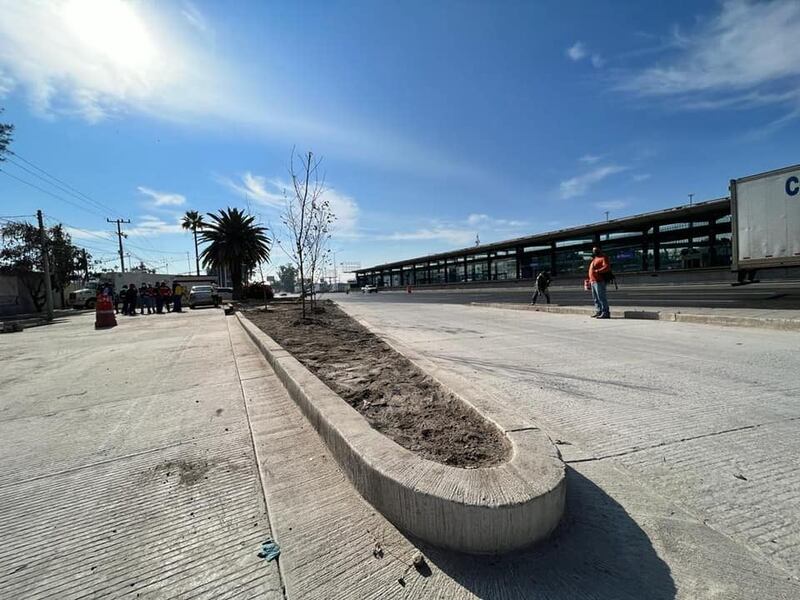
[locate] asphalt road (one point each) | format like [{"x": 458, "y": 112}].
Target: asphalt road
[{"x": 772, "y": 296}]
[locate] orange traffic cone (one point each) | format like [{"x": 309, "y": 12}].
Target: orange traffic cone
[{"x": 104, "y": 313}]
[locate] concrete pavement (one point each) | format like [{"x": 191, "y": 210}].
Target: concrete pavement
[
  {"x": 704, "y": 418},
  {"x": 126, "y": 464},
  {"x": 136, "y": 462}
]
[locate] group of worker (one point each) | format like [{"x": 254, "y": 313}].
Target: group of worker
[
  {"x": 153, "y": 298},
  {"x": 599, "y": 276}
]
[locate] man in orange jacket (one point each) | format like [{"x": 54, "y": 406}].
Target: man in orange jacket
[{"x": 599, "y": 268}]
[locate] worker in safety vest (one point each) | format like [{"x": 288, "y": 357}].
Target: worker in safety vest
[{"x": 177, "y": 297}]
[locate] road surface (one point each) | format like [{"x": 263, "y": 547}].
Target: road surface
[
  {"x": 770, "y": 295},
  {"x": 705, "y": 417}
]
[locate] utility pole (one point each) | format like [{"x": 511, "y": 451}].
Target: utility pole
[
  {"x": 119, "y": 223},
  {"x": 606, "y": 216},
  {"x": 85, "y": 266},
  {"x": 691, "y": 197},
  {"x": 48, "y": 288},
  {"x": 189, "y": 263}
]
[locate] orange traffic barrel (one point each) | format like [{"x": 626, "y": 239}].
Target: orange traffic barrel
[{"x": 104, "y": 313}]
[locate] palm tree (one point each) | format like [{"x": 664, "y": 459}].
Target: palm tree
[
  {"x": 194, "y": 220},
  {"x": 236, "y": 242}
]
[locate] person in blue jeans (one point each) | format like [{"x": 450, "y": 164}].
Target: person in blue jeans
[{"x": 599, "y": 269}]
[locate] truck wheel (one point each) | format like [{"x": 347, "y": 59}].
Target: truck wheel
[{"x": 90, "y": 303}]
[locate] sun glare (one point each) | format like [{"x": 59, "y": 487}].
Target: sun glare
[{"x": 113, "y": 29}]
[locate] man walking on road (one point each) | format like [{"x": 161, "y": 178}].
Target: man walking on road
[
  {"x": 542, "y": 284},
  {"x": 599, "y": 271}
]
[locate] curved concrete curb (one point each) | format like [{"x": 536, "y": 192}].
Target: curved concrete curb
[
  {"x": 485, "y": 511},
  {"x": 658, "y": 315}
]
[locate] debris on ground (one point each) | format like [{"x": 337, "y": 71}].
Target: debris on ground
[
  {"x": 377, "y": 551},
  {"x": 740, "y": 476},
  {"x": 269, "y": 550},
  {"x": 420, "y": 565}
]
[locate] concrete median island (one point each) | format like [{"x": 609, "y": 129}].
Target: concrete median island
[{"x": 508, "y": 496}]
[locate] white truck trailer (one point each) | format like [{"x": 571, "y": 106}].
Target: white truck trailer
[{"x": 765, "y": 221}]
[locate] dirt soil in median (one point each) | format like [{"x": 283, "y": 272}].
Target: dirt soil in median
[{"x": 396, "y": 397}]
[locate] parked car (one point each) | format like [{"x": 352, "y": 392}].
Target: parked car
[
  {"x": 203, "y": 295},
  {"x": 369, "y": 289}
]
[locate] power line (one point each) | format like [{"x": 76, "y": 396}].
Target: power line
[
  {"x": 86, "y": 231},
  {"x": 87, "y": 198},
  {"x": 55, "y": 185},
  {"x": 56, "y": 196},
  {"x": 152, "y": 249}
]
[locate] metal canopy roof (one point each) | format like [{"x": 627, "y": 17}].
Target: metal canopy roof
[{"x": 720, "y": 205}]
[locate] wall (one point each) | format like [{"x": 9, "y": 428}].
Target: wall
[{"x": 14, "y": 296}]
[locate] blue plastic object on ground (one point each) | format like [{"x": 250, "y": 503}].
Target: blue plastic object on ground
[{"x": 269, "y": 550}]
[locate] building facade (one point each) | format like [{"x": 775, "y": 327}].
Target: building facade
[{"x": 686, "y": 238}]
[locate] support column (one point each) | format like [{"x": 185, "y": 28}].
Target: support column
[
  {"x": 553, "y": 269},
  {"x": 520, "y": 258},
  {"x": 656, "y": 248},
  {"x": 712, "y": 241},
  {"x": 465, "y": 269},
  {"x": 645, "y": 264}
]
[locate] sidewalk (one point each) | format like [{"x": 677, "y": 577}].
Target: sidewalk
[
  {"x": 126, "y": 464},
  {"x": 783, "y": 320}
]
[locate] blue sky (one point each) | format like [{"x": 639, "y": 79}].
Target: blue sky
[{"x": 437, "y": 121}]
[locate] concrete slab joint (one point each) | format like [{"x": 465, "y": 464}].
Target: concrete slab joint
[{"x": 481, "y": 511}]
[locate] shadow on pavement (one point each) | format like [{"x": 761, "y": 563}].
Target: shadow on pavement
[{"x": 598, "y": 552}]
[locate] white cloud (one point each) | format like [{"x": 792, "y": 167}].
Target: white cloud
[
  {"x": 256, "y": 188},
  {"x": 598, "y": 61},
  {"x": 162, "y": 198},
  {"x": 641, "y": 177},
  {"x": 577, "y": 186},
  {"x": 589, "y": 159},
  {"x": 743, "y": 57},
  {"x": 149, "y": 226},
  {"x": 611, "y": 205},
  {"x": 462, "y": 232},
  {"x": 453, "y": 236},
  {"x": 577, "y": 51},
  {"x": 99, "y": 59},
  {"x": 6, "y": 84},
  {"x": 90, "y": 234},
  {"x": 346, "y": 210},
  {"x": 194, "y": 17},
  {"x": 476, "y": 220}
]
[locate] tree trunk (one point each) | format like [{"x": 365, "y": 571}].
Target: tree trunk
[
  {"x": 196, "y": 255},
  {"x": 236, "y": 275}
]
